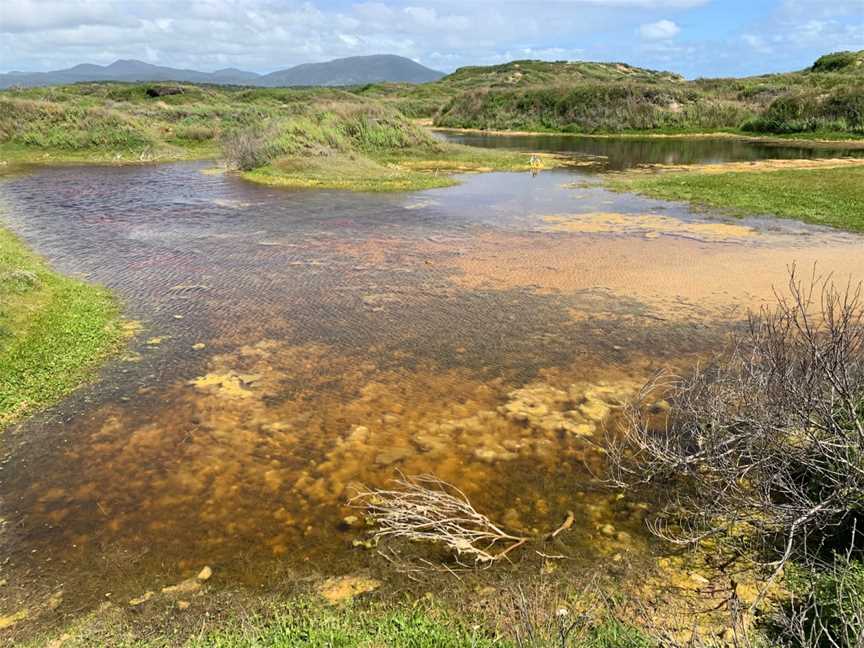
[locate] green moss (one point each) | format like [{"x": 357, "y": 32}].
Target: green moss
[
  {"x": 830, "y": 196},
  {"x": 53, "y": 331}
]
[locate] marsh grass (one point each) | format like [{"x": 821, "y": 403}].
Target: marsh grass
[
  {"x": 53, "y": 331},
  {"x": 830, "y": 196}
]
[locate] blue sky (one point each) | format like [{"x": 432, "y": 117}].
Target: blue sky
[{"x": 692, "y": 37}]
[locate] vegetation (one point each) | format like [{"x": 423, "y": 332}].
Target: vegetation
[
  {"x": 840, "y": 61},
  {"x": 306, "y": 621},
  {"x": 427, "y": 99},
  {"x": 53, "y": 330},
  {"x": 762, "y": 454},
  {"x": 591, "y": 108},
  {"x": 828, "y": 196},
  {"x": 300, "y": 138},
  {"x": 827, "y": 99}
]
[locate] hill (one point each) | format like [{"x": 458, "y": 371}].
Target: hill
[
  {"x": 847, "y": 62},
  {"x": 826, "y": 98},
  {"x": 425, "y": 100},
  {"x": 347, "y": 71},
  {"x": 353, "y": 71}
]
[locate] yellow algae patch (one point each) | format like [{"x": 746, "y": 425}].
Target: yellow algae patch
[
  {"x": 651, "y": 225},
  {"x": 230, "y": 384},
  {"x": 340, "y": 590},
  {"x": 11, "y": 619},
  {"x": 265, "y": 449},
  {"x": 754, "y": 165}
]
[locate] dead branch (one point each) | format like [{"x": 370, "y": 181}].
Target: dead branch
[
  {"x": 763, "y": 445},
  {"x": 426, "y": 509}
]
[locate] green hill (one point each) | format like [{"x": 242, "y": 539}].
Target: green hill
[
  {"x": 847, "y": 62},
  {"x": 827, "y": 98},
  {"x": 427, "y": 99}
]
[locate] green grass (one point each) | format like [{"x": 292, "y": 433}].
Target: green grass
[
  {"x": 830, "y": 197},
  {"x": 308, "y": 623},
  {"x": 53, "y": 331},
  {"x": 319, "y": 138}
]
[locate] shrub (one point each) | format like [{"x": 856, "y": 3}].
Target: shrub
[
  {"x": 837, "y": 61},
  {"x": 840, "y": 110},
  {"x": 251, "y": 147},
  {"x": 764, "y": 447},
  {"x": 825, "y": 609}
]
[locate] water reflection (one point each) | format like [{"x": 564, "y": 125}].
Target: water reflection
[{"x": 618, "y": 154}]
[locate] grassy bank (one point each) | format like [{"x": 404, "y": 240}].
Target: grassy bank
[
  {"x": 307, "y": 621},
  {"x": 53, "y": 330},
  {"x": 319, "y": 138},
  {"x": 824, "y": 196}
]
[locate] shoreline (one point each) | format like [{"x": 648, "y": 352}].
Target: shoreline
[{"x": 766, "y": 139}]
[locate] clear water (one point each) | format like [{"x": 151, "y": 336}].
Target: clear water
[{"x": 347, "y": 337}]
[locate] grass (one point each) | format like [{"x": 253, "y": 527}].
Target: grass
[
  {"x": 826, "y": 98},
  {"x": 301, "y": 138},
  {"x": 53, "y": 331},
  {"x": 830, "y": 196},
  {"x": 311, "y": 624}
]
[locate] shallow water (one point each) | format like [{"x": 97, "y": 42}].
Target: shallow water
[
  {"x": 485, "y": 333},
  {"x": 624, "y": 153}
]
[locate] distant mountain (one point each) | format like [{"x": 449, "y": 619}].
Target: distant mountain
[
  {"x": 355, "y": 70},
  {"x": 347, "y": 71}
]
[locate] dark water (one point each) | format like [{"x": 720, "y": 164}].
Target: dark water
[
  {"x": 620, "y": 154},
  {"x": 297, "y": 344}
]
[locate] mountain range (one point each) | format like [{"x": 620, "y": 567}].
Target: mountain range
[{"x": 355, "y": 70}]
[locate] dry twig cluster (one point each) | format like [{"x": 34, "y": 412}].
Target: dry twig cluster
[{"x": 424, "y": 508}]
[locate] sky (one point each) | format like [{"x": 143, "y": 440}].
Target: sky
[{"x": 691, "y": 37}]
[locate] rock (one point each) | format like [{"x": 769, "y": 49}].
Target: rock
[
  {"x": 205, "y": 574},
  {"x": 345, "y": 588},
  {"x": 142, "y": 599},
  {"x": 163, "y": 91},
  {"x": 188, "y": 586}
]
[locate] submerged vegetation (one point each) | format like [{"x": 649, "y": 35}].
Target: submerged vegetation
[
  {"x": 53, "y": 330},
  {"x": 824, "y": 196}
]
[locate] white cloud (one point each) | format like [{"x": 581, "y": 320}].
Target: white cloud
[
  {"x": 660, "y": 30},
  {"x": 265, "y": 35}
]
